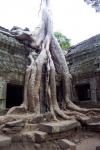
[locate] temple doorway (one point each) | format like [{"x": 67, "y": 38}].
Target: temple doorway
[
  {"x": 83, "y": 92},
  {"x": 14, "y": 95}
]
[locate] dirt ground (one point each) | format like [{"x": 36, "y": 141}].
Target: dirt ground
[
  {"x": 84, "y": 140},
  {"x": 89, "y": 144},
  {"x": 87, "y": 140}
]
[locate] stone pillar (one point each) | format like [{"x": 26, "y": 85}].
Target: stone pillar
[
  {"x": 93, "y": 90},
  {"x": 3, "y": 87},
  {"x": 75, "y": 98},
  {"x": 98, "y": 87}
]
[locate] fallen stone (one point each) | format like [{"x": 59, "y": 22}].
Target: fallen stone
[
  {"x": 12, "y": 130},
  {"x": 57, "y": 127},
  {"x": 37, "y": 146},
  {"x": 66, "y": 144},
  {"x": 95, "y": 119},
  {"x": 4, "y": 141},
  {"x": 76, "y": 141},
  {"x": 18, "y": 123},
  {"x": 40, "y": 136},
  {"x": 84, "y": 121},
  {"x": 16, "y": 138},
  {"x": 28, "y": 136},
  {"x": 94, "y": 126}
]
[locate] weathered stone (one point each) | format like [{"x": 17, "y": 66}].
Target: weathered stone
[
  {"x": 94, "y": 126},
  {"x": 13, "y": 127},
  {"x": 84, "y": 121},
  {"x": 31, "y": 127},
  {"x": 40, "y": 136},
  {"x": 76, "y": 140},
  {"x": 66, "y": 144},
  {"x": 90, "y": 134},
  {"x": 12, "y": 130},
  {"x": 37, "y": 146},
  {"x": 4, "y": 141},
  {"x": 57, "y": 127},
  {"x": 16, "y": 137},
  {"x": 84, "y": 59},
  {"x": 28, "y": 136},
  {"x": 18, "y": 123},
  {"x": 13, "y": 62},
  {"x": 95, "y": 119},
  {"x": 97, "y": 147}
]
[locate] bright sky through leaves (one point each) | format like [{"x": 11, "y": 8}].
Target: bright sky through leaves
[{"x": 74, "y": 18}]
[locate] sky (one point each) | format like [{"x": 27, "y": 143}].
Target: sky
[{"x": 74, "y": 18}]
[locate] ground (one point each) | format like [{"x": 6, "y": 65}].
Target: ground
[
  {"x": 49, "y": 135},
  {"x": 87, "y": 140}
]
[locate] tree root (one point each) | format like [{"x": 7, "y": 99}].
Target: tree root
[
  {"x": 72, "y": 106},
  {"x": 17, "y": 110},
  {"x": 61, "y": 114}
]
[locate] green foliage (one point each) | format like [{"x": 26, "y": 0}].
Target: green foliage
[{"x": 63, "y": 40}]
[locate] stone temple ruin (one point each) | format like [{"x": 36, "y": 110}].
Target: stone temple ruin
[
  {"x": 13, "y": 61},
  {"x": 40, "y": 135},
  {"x": 84, "y": 65}
]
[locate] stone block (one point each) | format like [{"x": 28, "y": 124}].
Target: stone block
[
  {"x": 58, "y": 127},
  {"x": 18, "y": 123},
  {"x": 28, "y": 136},
  {"x": 94, "y": 126},
  {"x": 4, "y": 141},
  {"x": 13, "y": 130},
  {"x": 17, "y": 137},
  {"x": 30, "y": 127},
  {"x": 84, "y": 120},
  {"x": 97, "y": 147},
  {"x": 40, "y": 136},
  {"x": 37, "y": 146},
  {"x": 2, "y": 105},
  {"x": 66, "y": 144},
  {"x": 13, "y": 127}
]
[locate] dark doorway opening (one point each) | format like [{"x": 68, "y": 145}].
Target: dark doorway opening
[
  {"x": 83, "y": 92},
  {"x": 14, "y": 95},
  {"x": 60, "y": 95}
]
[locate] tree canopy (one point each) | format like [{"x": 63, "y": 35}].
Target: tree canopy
[
  {"x": 63, "y": 40},
  {"x": 94, "y": 3}
]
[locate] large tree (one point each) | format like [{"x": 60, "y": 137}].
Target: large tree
[
  {"x": 51, "y": 59},
  {"x": 94, "y": 3}
]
